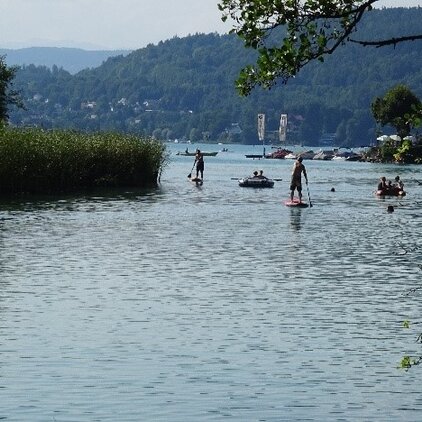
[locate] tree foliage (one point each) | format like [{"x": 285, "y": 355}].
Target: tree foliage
[
  {"x": 7, "y": 95},
  {"x": 397, "y": 109},
  {"x": 289, "y": 34},
  {"x": 188, "y": 83}
]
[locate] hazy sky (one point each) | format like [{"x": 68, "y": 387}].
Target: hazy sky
[{"x": 112, "y": 24}]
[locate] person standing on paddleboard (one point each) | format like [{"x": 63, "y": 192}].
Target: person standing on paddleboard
[
  {"x": 199, "y": 160},
  {"x": 296, "y": 182}
]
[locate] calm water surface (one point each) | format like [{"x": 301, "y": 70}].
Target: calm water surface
[{"x": 213, "y": 303}]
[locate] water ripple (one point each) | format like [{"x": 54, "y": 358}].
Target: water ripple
[{"x": 187, "y": 303}]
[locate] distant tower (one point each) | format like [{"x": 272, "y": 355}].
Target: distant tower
[
  {"x": 282, "y": 129},
  {"x": 261, "y": 127}
]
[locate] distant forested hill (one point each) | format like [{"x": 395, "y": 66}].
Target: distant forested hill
[
  {"x": 184, "y": 88},
  {"x": 71, "y": 59}
]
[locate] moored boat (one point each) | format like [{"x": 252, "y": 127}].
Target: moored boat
[
  {"x": 354, "y": 157},
  {"x": 278, "y": 154},
  {"x": 324, "y": 155},
  {"x": 192, "y": 154},
  {"x": 306, "y": 155}
]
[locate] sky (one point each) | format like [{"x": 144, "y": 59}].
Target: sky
[{"x": 113, "y": 24}]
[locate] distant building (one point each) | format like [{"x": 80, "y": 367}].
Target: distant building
[
  {"x": 151, "y": 104},
  {"x": 123, "y": 101},
  {"x": 89, "y": 104}
]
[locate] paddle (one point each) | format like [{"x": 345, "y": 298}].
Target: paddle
[
  {"x": 190, "y": 174},
  {"x": 309, "y": 195}
]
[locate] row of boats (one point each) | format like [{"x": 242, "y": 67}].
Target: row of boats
[
  {"x": 326, "y": 155},
  {"x": 286, "y": 154}
]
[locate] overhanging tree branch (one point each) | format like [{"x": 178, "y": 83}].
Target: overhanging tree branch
[
  {"x": 289, "y": 34},
  {"x": 391, "y": 41}
]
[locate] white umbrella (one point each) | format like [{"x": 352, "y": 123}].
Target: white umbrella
[
  {"x": 409, "y": 138},
  {"x": 382, "y": 138},
  {"x": 395, "y": 138}
]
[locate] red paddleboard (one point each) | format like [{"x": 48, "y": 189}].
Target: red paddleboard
[{"x": 295, "y": 203}]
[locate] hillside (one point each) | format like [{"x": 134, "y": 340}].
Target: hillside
[
  {"x": 184, "y": 88},
  {"x": 71, "y": 59}
]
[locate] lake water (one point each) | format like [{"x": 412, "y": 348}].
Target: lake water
[{"x": 210, "y": 303}]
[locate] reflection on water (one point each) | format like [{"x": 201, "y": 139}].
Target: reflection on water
[
  {"x": 189, "y": 304},
  {"x": 295, "y": 217}
]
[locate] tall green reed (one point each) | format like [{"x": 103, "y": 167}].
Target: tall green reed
[{"x": 37, "y": 161}]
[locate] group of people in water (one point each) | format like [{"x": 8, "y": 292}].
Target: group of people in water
[
  {"x": 387, "y": 187},
  {"x": 295, "y": 182}
]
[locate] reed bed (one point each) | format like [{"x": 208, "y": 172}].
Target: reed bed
[{"x": 38, "y": 161}]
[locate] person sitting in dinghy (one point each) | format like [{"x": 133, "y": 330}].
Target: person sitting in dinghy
[
  {"x": 382, "y": 186},
  {"x": 398, "y": 185},
  {"x": 261, "y": 175}
]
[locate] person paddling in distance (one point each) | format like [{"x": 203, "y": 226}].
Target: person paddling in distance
[
  {"x": 199, "y": 160},
  {"x": 296, "y": 181}
]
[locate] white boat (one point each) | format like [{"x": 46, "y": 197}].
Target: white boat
[
  {"x": 324, "y": 155},
  {"x": 290, "y": 156}
]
